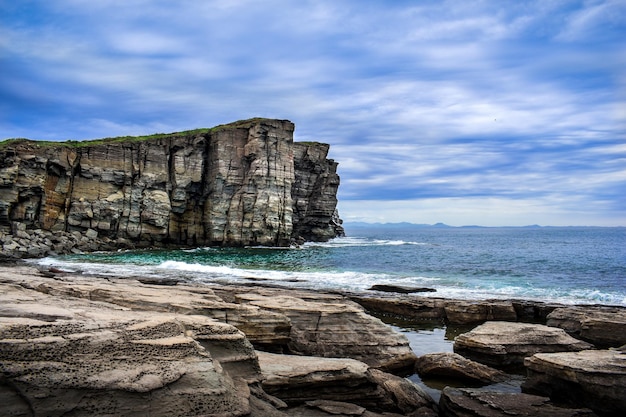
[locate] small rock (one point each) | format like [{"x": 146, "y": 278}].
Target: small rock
[
  {"x": 456, "y": 366},
  {"x": 337, "y": 407},
  {"x": 400, "y": 289}
]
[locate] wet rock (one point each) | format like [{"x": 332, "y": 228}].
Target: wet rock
[
  {"x": 400, "y": 289},
  {"x": 591, "y": 378},
  {"x": 506, "y": 344},
  {"x": 467, "y": 402},
  {"x": 452, "y": 365},
  {"x": 602, "y": 326}
]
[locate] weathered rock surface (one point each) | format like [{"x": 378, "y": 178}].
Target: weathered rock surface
[
  {"x": 453, "y": 365},
  {"x": 602, "y": 326},
  {"x": 591, "y": 378},
  {"x": 467, "y": 402},
  {"x": 66, "y": 356},
  {"x": 246, "y": 183},
  {"x": 264, "y": 328},
  {"x": 506, "y": 344},
  {"x": 329, "y": 325},
  {"x": 414, "y": 307},
  {"x": 80, "y": 345},
  {"x": 298, "y": 379}
]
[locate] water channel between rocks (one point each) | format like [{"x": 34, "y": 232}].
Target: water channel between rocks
[{"x": 435, "y": 337}]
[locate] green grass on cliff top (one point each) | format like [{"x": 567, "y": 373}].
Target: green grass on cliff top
[{"x": 122, "y": 139}]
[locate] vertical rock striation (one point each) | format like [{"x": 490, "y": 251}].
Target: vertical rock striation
[{"x": 245, "y": 183}]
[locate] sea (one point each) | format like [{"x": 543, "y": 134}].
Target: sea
[{"x": 570, "y": 265}]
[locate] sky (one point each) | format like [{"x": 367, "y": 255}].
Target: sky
[{"x": 466, "y": 112}]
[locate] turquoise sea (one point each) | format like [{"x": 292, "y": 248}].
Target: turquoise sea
[{"x": 582, "y": 265}]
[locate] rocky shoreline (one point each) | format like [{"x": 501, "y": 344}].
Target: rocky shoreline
[{"x": 85, "y": 346}]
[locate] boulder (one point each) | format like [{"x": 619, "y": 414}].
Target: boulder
[
  {"x": 506, "y": 344},
  {"x": 602, "y": 326},
  {"x": 591, "y": 378},
  {"x": 329, "y": 325},
  {"x": 467, "y": 402},
  {"x": 400, "y": 289},
  {"x": 306, "y": 379},
  {"x": 453, "y": 365}
]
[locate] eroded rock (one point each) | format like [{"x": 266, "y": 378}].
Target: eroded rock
[
  {"x": 506, "y": 344},
  {"x": 245, "y": 183},
  {"x": 65, "y": 355},
  {"x": 329, "y": 325},
  {"x": 602, "y": 326},
  {"x": 306, "y": 379},
  {"x": 591, "y": 378}
]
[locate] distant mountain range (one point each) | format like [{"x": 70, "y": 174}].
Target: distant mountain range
[{"x": 407, "y": 225}]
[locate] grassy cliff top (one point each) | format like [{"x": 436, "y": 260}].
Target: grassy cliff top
[{"x": 240, "y": 124}]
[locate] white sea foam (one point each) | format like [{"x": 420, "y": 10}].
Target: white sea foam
[{"x": 360, "y": 241}]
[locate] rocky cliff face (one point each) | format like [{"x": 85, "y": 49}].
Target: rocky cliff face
[{"x": 246, "y": 183}]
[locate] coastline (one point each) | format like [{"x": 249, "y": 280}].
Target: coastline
[{"x": 273, "y": 319}]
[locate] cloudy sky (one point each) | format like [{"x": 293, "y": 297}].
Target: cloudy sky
[{"x": 465, "y": 112}]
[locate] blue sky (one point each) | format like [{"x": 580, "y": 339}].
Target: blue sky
[{"x": 464, "y": 112}]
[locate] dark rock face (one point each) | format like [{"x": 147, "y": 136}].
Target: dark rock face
[
  {"x": 466, "y": 402},
  {"x": 246, "y": 183}
]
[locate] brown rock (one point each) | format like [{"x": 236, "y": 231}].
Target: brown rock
[
  {"x": 455, "y": 366},
  {"x": 602, "y": 326},
  {"x": 591, "y": 378},
  {"x": 466, "y": 312},
  {"x": 329, "y": 325},
  {"x": 297, "y": 379},
  {"x": 506, "y": 344},
  {"x": 466, "y": 402}
]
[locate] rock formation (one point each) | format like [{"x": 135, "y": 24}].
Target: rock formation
[
  {"x": 601, "y": 325},
  {"x": 90, "y": 346},
  {"x": 245, "y": 183},
  {"x": 591, "y": 378},
  {"x": 505, "y": 344}
]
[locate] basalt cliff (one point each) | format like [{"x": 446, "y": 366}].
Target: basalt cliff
[{"x": 245, "y": 183}]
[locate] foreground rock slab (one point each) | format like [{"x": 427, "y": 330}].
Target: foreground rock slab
[
  {"x": 306, "y": 379},
  {"x": 467, "y": 402},
  {"x": 591, "y": 378},
  {"x": 506, "y": 344},
  {"x": 602, "y": 326},
  {"x": 62, "y": 356},
  {"x": 330, "y": 325},
  {"x": 453, "y": 365}
]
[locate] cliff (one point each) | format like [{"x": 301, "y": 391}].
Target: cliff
[{"x": 245, "y": 183}]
